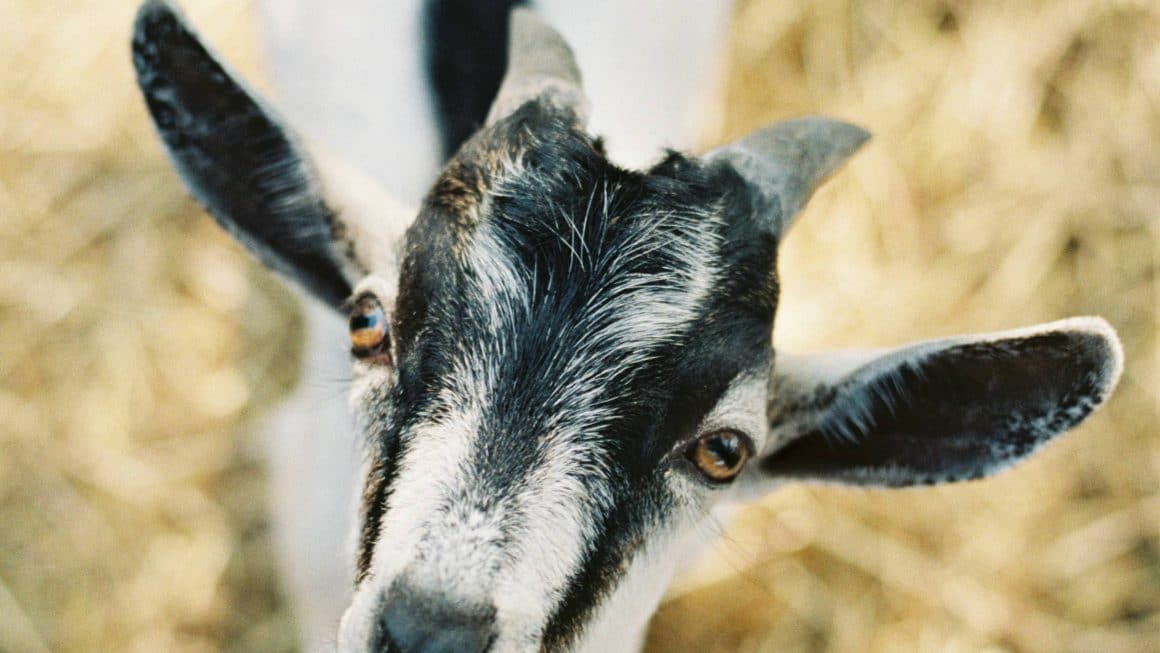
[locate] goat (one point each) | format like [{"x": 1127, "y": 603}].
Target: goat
[{"x": 561, "y": 366}]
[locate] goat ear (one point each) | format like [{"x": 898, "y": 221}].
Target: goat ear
[
  {"x": 939, "y": 411},
  {"x": 540, "y": 67},
  {"x": 247, "y": 169},
  {"x": 785, "y": 163}
]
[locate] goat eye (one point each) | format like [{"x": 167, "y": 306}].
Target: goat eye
[
  {"x": 719, "y": 455},
  {"x": 368, "y": 328}
]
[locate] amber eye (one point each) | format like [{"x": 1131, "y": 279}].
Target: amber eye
[
  {"x": 719, "y": 455},
  {"x": 368, "y": 328}
]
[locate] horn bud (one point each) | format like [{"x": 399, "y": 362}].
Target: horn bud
[
  {"x": 786, "y": 162},
  {"x": 541, "y": 66}
]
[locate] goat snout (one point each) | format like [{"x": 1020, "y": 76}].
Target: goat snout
[{"x": 412, "y": 623}]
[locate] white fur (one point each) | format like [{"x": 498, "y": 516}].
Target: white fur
[
  {"x": 314, "y": 467},
  {"x": 350, "y": 74},
  {"x": 648, "y": 68},
  {"x": 421, "y": 483},
  {"x": 621, "y": 622}
]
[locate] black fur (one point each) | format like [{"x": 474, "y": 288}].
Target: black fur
[
  {"x": 466, "y": 53},
  {"x": 234, "y": 155},
  {"x": 955, "y": 414},
  {"x": 376, "y": 497}
]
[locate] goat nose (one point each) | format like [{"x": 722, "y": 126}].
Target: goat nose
[{"x": 414, "y": 624}]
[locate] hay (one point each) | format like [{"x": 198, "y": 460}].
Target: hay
[
  {"x": 1015, "y": 177},
  {"x": 130, "y": 498}
]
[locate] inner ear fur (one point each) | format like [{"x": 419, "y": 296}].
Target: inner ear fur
[{"x": 940, "y": 411}]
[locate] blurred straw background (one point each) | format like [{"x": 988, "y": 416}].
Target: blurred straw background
[{"x": 1014, "y": 178}]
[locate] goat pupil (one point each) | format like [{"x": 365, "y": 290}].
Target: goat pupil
[
  {"x": 368, "y": 328},
  {"x": 725, "y": 450},
  {"x": 359, "y": 322},
  {"x": 719, "y": 456}
]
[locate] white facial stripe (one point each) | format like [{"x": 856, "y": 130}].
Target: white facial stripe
[
  {"x": 458, "y": 553},
  {"x": 431, "y": 468},
  {"x": 465, "y": 541},
  {"x": 629, "y": 317},
  {"x": 557, "y": 506},
  {"x": 500, "y": 286}
]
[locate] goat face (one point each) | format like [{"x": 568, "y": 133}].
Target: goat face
[
  {"x": 563, "y": 334},
  {"x": 562, "y": 366}
]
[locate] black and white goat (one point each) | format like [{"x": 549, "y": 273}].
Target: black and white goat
[{"x": 561, "y": 366}]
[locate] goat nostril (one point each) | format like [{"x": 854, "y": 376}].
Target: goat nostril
[{"x": 414, "y": 624}]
